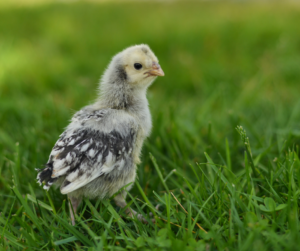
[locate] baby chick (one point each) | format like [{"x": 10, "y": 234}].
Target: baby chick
[{"x": 98, "y": 153}]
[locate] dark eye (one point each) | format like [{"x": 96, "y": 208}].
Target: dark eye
[{"x": 137, "y": 66}]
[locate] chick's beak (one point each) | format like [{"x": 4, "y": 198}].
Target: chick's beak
[{"x": 156, "y": 70}]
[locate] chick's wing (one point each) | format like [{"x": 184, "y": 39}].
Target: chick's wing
[{"x": 96, "y": 143}]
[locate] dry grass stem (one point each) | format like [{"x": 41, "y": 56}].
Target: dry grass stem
[{"x": 188, "y": 213}]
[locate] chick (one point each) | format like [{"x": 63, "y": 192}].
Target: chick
[{"x": 99, "y": 151}]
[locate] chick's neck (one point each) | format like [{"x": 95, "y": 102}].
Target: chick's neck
[{"x": 123, "y": 97}]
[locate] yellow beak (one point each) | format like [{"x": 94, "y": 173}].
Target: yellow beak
[{"x": 156, "y": 70}]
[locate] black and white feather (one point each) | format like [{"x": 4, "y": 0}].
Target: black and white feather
[{"x": 94, "y": 146}]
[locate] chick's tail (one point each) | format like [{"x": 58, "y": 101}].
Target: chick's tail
[{"x": 44, "y": 175}]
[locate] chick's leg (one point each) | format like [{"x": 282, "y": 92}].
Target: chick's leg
[
  {"x": 120, "y": 202},
  {"x": 75, "y": 203}
]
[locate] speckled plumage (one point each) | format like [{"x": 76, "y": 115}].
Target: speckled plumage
[{"x": 98, "y": 152}]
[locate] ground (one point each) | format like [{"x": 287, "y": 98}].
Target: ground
[{"x": 223, "y": 156}]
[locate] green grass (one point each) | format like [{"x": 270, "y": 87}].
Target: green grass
[{"x": 227, "y": 65}]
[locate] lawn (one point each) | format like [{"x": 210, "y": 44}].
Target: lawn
[{"x": 223, "y": 157}]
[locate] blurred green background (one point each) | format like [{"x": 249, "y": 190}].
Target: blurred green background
[{"x": 225, "y": 64}]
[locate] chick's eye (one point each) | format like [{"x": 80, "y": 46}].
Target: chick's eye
[{"x": 137, "y": 66}]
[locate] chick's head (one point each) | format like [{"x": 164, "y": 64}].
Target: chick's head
[
  {"x": 141, "y": 65},
  {"x": 136, "y": 65}
]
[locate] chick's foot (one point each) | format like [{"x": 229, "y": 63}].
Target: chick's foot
[
  {"x": 120, "y": 201},
  {"x": 131, "y": 213}
]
